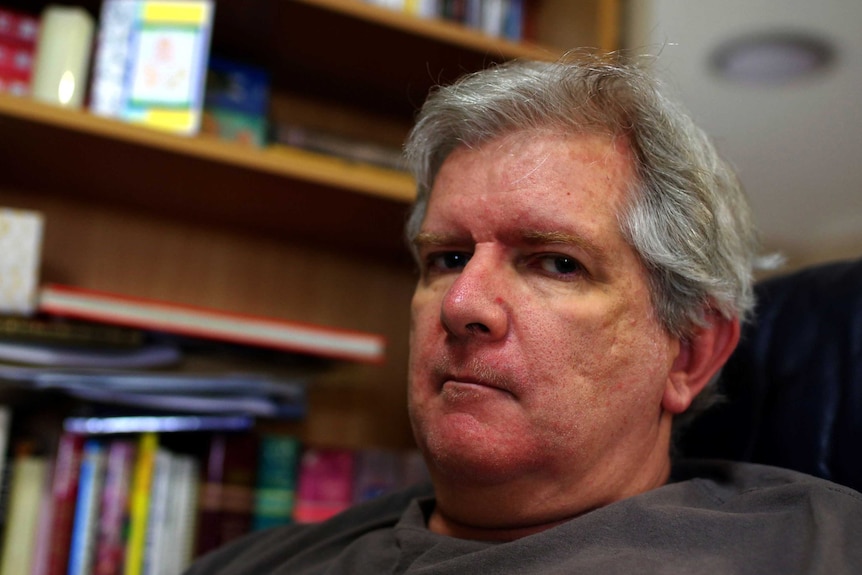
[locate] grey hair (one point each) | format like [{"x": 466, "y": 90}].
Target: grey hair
[{"x": 687, "y": 216}]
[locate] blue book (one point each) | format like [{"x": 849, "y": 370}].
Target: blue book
[{"x": 85, "y": 523}]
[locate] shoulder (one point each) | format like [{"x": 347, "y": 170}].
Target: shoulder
[
  {"x": 264, "y": 551},
  {"x": 719, "y": 517},
  {"x": 728, "y": 482}
]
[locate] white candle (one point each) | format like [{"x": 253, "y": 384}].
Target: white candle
[{"x": 62, "y": 58}]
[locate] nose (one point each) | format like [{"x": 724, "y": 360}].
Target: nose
[{"x": 474, "y": 307}]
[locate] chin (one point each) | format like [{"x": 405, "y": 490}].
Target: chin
[{"x": 453, "y": 455}]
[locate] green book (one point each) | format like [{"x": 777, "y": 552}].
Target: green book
[{"x": 276, "y": 481}]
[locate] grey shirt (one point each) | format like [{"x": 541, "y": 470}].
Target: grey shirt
[{"x": 711, "y": 518}]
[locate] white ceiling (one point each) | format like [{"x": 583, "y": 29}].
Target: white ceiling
[{"x": 797, "y": 147}]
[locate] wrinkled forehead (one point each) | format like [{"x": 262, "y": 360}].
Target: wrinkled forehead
[{"x": 526, "y": 150}]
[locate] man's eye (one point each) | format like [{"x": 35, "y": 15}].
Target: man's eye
[
  {"x": 448, "y": 261},
  {"x": 560, "y": 265}
]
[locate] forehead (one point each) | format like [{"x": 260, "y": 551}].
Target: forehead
[{"x": 531, "y": 178}]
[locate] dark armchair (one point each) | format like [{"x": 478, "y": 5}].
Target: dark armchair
[{"x": 793, "y": 388}]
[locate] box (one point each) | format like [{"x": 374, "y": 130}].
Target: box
[
  {"x": 236, "y": 102},
  {"x": 18, "y": 35},
  {"x": 151, "y": 59},
  {"x": 20, "y": 255}
]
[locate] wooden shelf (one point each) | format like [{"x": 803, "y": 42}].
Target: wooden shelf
[
  {"x": 279, "y": 231},
  {"x": 434, "y": 29},
  {"x": 203, "y": 178},
  {"x": 384, "y": 59}
]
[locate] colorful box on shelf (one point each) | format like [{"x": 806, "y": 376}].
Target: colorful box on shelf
[
  {"x": 236, "y": 102},
  {"x": 151, "y": 60},
  {"x": 18, "y": 33}
]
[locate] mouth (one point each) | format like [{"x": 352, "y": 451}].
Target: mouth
[{"x": 466, "y": 384}]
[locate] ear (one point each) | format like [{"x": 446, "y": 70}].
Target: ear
[{"x": 700, "y": 357}]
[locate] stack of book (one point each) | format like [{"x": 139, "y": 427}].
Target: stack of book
[
  {"x": 112, "y": 349},
  {"x": 150, "y": 502},
  {"x": 499, "y": 18}
]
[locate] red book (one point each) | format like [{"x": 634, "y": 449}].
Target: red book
[
  {"x": 211, "y": 324},
  {"x": 227, "y": 492},
  {"x": 64, "y": 492}
]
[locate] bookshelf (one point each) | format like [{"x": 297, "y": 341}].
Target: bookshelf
[{"x": 279, "y": 231}]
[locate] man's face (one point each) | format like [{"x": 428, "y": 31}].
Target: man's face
[{"x": 535, "y": 353}]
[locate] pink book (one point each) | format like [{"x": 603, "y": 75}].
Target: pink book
[
  {"x": 64, "y": 492},
  {"x": 325, "y": 484},
  {"x": 110, "y": 538}
]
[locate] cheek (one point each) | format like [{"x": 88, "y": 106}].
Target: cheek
[
  {"x": 599, "y": 361},
  {"x": 424, "y": 318}
]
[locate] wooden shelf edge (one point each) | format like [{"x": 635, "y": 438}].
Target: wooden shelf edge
[
  {"x": 290, "y": 163},
  {"x": 437, "y": 29}
]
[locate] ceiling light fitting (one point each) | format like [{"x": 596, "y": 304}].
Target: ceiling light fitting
[{"x": 772, "y": 58}]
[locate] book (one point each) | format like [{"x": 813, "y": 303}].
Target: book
[
  {"x": 382, "y": 471},
  {"x": 158, "y": 529},
  {"x": 227, "y": 490},
  {"x": 341, "y": 146},
  {"x": 139, "y": 503},
  {"x": 325, "y": 485},
  {"x": 42, "y": 550},
  {"x": 249, "y": 394},
  {"x": 5, "y": 430},
  {"x": 145, "y": 357},
  {"x": 110, "y": 538},
  {"x": 275, "y": 491},
  {"x": 29, "y": 473},
  {"x": 160, "y": 423},
  {"x": 85, "y": 524},
  {"x": 377, "y": 472},
  {"x": 236, "y": 103},
  {"x": 206, "y": 323},
  {"x": 150, "y": 63},
  {"x": 182, "y": 510},
  {"x": 68, "y": 333},
  {"x": 64, "y": 493}
]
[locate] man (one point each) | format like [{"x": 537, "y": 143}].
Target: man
[{"x": 585, "y": 261}]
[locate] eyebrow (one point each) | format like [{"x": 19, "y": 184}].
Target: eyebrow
[
  {"x": 543, "y": 238},
  {"x": 425, "y": 239},
  {"x": 533, "y": 237}
]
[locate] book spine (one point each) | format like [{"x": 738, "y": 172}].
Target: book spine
[
  {"x": 29, "y": 473},
  {"x": 377, "y": 471},
  {"x": 64, "y": 493},
  {"x": 179, "y": 515},
  {"x": 157, "y": 532},
  {"x": 87, "y": 508},
  {"x": 111, "y": 544},
  {"x": 42, "y": 551},
  {"x": 140, "y": 503},
  {"x": 240, "y": 477},
  {"x": 187, "y": 509},
  {"x": 5, "y": 430},
  {"x": 227, "y": 494},
  {"x": 275, "y": 492},
  {"x": 325, "y": 484},
  {"x": 210, "y": 497}
]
